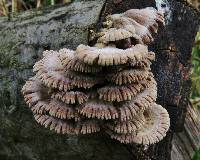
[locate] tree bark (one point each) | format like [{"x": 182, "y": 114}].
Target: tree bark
[{"x": 24, "y": 37}]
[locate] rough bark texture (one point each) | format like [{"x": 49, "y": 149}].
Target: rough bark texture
[
  {"x": 186, "y": 142},
  {"x": 22, "y": 40}
]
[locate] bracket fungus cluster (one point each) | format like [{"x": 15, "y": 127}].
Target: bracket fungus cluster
[{"x": 107, "y": 87}]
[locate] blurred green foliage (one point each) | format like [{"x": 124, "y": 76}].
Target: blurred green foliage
[
  {"x": 195, "y": 92},
  {"x": 196, "y": 155}
]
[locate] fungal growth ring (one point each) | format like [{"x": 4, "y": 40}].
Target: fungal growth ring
[{"x": 107, "y": 87}]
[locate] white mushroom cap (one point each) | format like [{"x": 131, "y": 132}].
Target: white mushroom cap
[
  {"x": 109, "y": 56},
  {"x": 141, "y": 34},
  {"x": 156, "y": 126},
  {"x": 65, "y": 56},
  {"x": 114, "y": 34},
  {"x": 35, "y": 95},
  {"x": 51, "y": 72},
  {"x": 149, "y": 17},
  {"x": 152, "y": 131}
]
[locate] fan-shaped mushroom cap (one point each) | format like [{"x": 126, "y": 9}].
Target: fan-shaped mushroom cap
[
  {"x": 154, "y": 130},
  {"x": 87, "y": 127},
  {"x": 156, "y": 126},
  {"x": 34, "y": 91},
  {"x": 149, "y": 17},
  {"x": 142, "y": 32},
  {"x": 40, "y": 107},
  {"x": 119, "y": 21},
  {"x": 60, "y": 110},
  {"x": 32, "y": 85},
  {"x": 128, "y": 76},
  {"x": 70, "y": 97},
  {"x": 109, "y": 56},
  {"x": 51, "y": 72},
  {"x": 82, "y": 80},
  {"x": 114, "y": 34},
  {"x": 65, "y": 56},
  {"x": 145, "y": 62},
  {"x": 59, "y": 126},
  {"x": 127, "y": 127},
  {"x": 98, "y": 109},
  {"x": 142, "y": 101},
  {"x": 122, "y": 93},
  {"x": 78, "y": 65}
]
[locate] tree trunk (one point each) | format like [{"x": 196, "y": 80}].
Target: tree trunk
[{"x": 24, "y": 37}]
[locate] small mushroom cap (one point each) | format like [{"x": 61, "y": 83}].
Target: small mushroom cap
[
  {"x": 122, "y": 93},
  {"x": 60, "y": 110},
  {"x": 32, "y": 85},
  {"x": 141, "y": 34},
  {"x": 128, "y": 76},
  {"x": 78, "y": 65},
  {"x": 80, "y": 80},
  {"x": 114, "y": 34},
  {"x": 144, "y": 63},
  {"x": 140, "y": 102},
  {"x": 98, "y": 109},
  {"x": 65, "y": 56},
  {"x": 152, "y": 131},
  {"x": 59, "y": 126},
  {"x": 35, "y": 92},
  {"x": 109, "y": 56},
  {"x": 156, "y": 126},
  {"x": 127, "y": 127},
  {"x": 149, "y": 17},
  {"x": 70, "y": 97},
  {"x": 40, "y": 107},
  {"x": 51, "y": 72}
]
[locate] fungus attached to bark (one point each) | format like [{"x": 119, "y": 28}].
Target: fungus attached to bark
[
  {"x": 156, "y": 126},
  {"x": 109, "y": 56},
  {"x": 148, "y": 17},
  {"x": 113, "y": 34},
  {"x": 145, "y": 21},
  {"x": 152, "y": 131},
  {"x": 36, "y": 95},
  {"x": 109, "y": 85},
  {"x": 51, "y": 72}
]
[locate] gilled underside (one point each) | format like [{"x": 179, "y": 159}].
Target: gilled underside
[{"x": 108, "y": 87}]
